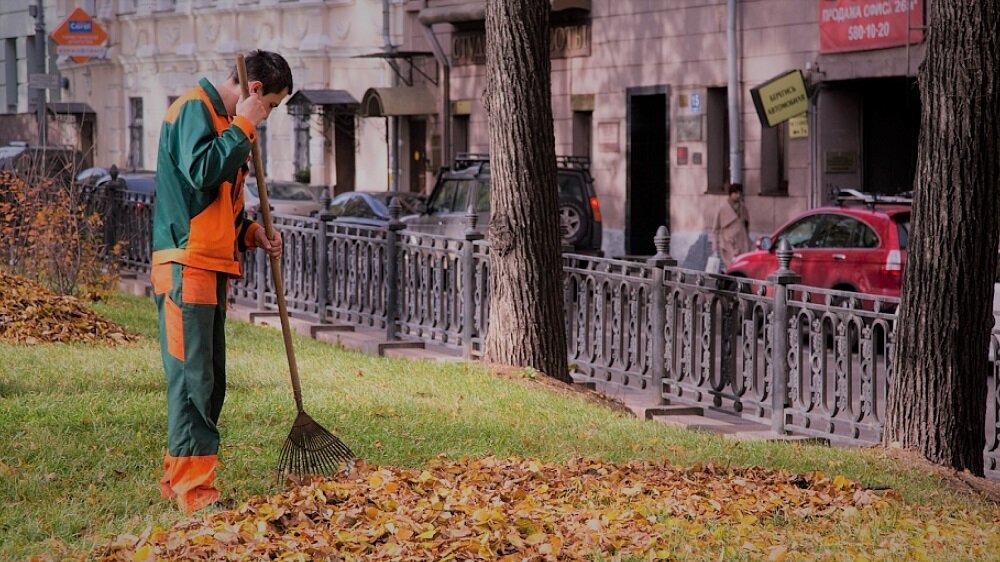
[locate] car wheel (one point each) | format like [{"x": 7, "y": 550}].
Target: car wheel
[{"x": 572, "y": 217}]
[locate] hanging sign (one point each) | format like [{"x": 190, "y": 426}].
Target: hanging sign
[
  {"x": 80, "y": 37},
  {"x": 780, "y": 98},
  {"x": 859, "y": 25}
]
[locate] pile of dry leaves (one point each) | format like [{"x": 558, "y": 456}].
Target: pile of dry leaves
[
  {"x": 520, "y": 509},
  {"x": 31, "y": 314}
]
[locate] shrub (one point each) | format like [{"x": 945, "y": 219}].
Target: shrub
[{"x": 51, "y": 231}]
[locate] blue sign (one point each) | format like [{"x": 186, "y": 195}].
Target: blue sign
[
  {"x": 81, "y": 26},
  {"x": 696, "y": 102}
]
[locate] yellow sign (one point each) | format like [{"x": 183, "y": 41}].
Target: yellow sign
[
  {"x": 780, "y": 98},
  {"x": 798, "y": 127}
]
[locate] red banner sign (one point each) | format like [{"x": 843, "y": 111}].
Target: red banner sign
[{"x": 859, "y": 25}]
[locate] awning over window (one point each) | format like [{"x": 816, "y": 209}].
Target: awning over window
[
  {"x": 379, "y": 102},
  {"x": 80, "y": 110},
  {"x": 477, "y": 11},
  {"x": 304, "y": 101}
]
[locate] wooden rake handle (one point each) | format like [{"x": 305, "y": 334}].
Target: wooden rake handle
[{"x": 279, "y": 284}]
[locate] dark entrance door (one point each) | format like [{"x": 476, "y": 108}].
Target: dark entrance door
[
  {"x": 343, "y": 151},
  {"x": 891, "y": 117},
  {"x": 648, "y": 188},
  {"x": 418, "y": 157}
]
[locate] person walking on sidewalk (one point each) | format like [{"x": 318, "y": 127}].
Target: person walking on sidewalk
[
  {"x": 731, "y": 230},
  {"x": 199, "y": 230}
]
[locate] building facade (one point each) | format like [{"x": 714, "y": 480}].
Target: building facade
[
  {"x": 388, "y": 91},
  {"x": 158, "y": 49},
  {"x": 641, "y": 86}
]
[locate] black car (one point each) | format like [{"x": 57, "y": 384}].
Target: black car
[
  {"x": 466, "y": 187},
  {"x": 136, "y": 181},
  {"x": 372, "y": 207}
]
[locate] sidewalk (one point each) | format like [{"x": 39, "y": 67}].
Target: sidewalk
[{"x": 373, "y": 342}]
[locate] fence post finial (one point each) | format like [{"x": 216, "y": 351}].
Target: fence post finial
[
  {"x": 784, "y": 274},
  {"x": 662, "y": 243}
]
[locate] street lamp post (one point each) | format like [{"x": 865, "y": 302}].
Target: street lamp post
[{"x": 38, "y": 12}]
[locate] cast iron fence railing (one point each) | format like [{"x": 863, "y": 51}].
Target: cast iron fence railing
[{"x": 682, "y": 336}]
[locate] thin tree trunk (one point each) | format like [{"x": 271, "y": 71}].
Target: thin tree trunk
[
  {"x": 937, "y": 397},
  {"x": 526, "y": 310}
]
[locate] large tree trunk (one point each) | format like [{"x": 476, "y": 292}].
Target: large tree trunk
[
  {"x": 937, "y": 397},
  {"x": 526, "y": 312}
]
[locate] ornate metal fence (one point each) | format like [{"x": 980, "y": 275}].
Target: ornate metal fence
[
  {"x": 133, "y": 226},
  {"x": 608, "y": 328},
  {"x": 430, "y": 300},
  {"x": 992, "y": 450},
  {"x": 840, "y": 363},
  {"x": 809, "y": 361}
]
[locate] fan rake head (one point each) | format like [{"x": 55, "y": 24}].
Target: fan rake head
[{"x": 311, "y": 450}]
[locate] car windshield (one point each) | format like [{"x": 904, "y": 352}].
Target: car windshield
[
  {"x": 287, "y": 191},
  {"x": 410, "y": 203},
  {"x": 451, "y": 197},
  {"x": 571, "y": 187}
]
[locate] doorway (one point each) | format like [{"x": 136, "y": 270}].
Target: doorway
[
  {"x": 418, "y": 156},
  {"x": 648, "y": 182},
  {"x": 343, "y": 152}
]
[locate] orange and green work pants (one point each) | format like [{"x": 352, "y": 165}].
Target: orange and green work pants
[{"x": 192, "y": 307}]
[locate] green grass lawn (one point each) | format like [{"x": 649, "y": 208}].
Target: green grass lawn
[{"x": 83, "y": 430}]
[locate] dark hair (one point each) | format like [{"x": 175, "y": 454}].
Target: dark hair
[
  {"x": 270, "y": 68},
  {"x": 734, "y": 187}
]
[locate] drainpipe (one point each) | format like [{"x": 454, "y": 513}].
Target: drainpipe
[
  {"x": 392, "y": 121},
  {"x": 445, "y": 87},
  {"x": 733, "y": 93}
]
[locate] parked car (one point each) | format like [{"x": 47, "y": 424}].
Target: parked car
[
  {"x": 46, "y": 161},
  {"x": 285, "y": 197},
  {"x": 138, "y": 181},
  {"x": 466, "y": 187},
  {"x": 861, "y": 249},
  {"x": 96, "y": 179},
  {"x": 372, "y": 207},
  {"x": 91, "y": 176}
]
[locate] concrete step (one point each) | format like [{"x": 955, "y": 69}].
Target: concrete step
[
  {"x": 273, "y": 320},
  {"x": 768, "y": 435}
]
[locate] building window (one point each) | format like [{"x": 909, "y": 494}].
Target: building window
[
  {"x": 126, "y": 6},
  {"x": 10, "y": 73},
  {"x": 718, "y": 140},
  {"x": 302, "y": 147},
  {"x": 459, "y": 134},
  {"x": 135, "y": 134},
  {"x": 164, "y": 5},
  {"x": 773, "y": 160},
  {"x": 582, "y": 132}
]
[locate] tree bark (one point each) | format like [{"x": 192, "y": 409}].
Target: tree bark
[
  {"x": 526, "y": 309},
  {"x": 937, "y": 395}
]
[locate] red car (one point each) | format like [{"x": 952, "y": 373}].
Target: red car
[{"x": 861, "y": 249}]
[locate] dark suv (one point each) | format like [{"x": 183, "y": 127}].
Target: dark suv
[{"x": 466, "y": 186}]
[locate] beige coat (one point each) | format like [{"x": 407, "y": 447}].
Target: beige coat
[{"x": 730, "y": 236}]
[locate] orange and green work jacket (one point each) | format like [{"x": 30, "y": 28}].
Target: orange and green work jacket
[{"x": 199, "y": 219}]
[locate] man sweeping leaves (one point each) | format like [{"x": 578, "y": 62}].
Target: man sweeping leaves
[{"x": 199, "y": 230}]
